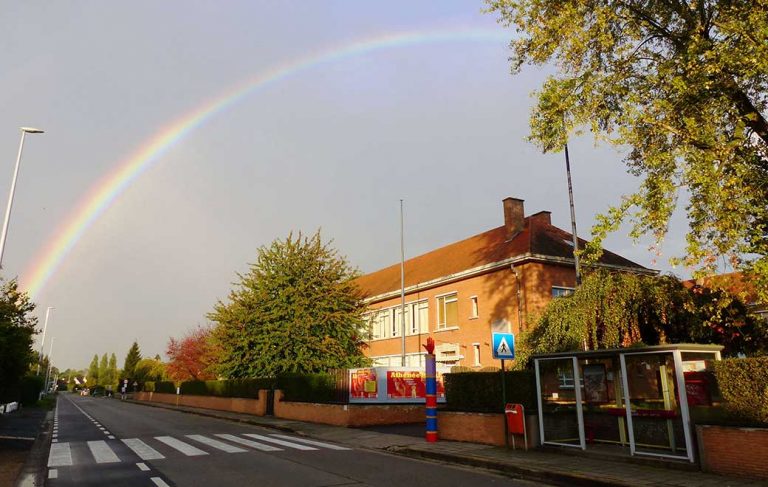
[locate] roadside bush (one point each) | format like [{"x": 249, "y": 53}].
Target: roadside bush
[
  {"x": 148, "y": 386},
  {"x": 319, "y": 388},
  {"x": 29, "y": 389},
  {"x": 248, "y": 388},
  {"x": 165, "y": 387},
  {"x": 743, "y": 384},
  {"x": 481, "y": 391}
]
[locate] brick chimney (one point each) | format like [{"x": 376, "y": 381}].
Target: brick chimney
[{"x": 514, "y": 216}]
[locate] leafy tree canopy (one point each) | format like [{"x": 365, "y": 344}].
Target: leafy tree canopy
[
  {"x": 148, "y": 369},
  {"x": 192, "y": 357},
  {"x": 17, "y": 329},
  {"x": 684, "y": 85},
  {"x": 93, "y": 371},
  {"x": 131, "y": 359},
  {"x": 296, "y": 310},
  {"x": 614, "y": 310}
]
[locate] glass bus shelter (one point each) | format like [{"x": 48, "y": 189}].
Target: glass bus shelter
[{"x": 628, "y": 397}]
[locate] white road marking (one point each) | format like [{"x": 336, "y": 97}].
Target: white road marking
[
  {"x": 216, "y": 444},
  {"x": 159, "y": 482},
  {"x": 101, "y": 452},
  {"x": 280, "y": 442},
  {"x": 184, "y": 448},
  {"x": 143, "y": 467},
  {"x": 60, "y": 455},
  {"x": 54, "y": 440},
  {"x": 144, "y": 451},
  {"x": 312, "y": 442},
  {"x": 252, "y": 444},
  {"x": 111, "y": 437},
  {"x": 53, "y": 473}
]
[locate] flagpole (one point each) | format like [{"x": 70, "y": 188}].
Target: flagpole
[{"x": 402, "y": 285}]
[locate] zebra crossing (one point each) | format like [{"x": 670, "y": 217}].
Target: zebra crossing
[{"x": 64, "y": 454}]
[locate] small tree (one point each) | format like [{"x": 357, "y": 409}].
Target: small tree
[
  {"x": 17, "y": 329},
  {"x": 296, "y": 310},
  {"x": 104, "y": 370},
  {"x": 191, "y": 357},
  {"x": 93, "y": 372},
  {"x": 131, "y": 359}
]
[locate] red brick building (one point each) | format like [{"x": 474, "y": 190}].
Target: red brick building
[{"x": 460, "y": 293}]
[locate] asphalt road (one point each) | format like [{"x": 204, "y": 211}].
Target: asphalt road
[{"x": 107, "y": 442}]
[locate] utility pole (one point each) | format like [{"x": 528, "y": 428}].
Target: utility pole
[
  {"x": 402, "y": 285},
  {"x": 573, "y": 218},
  {"x": 42, "y": 343}
]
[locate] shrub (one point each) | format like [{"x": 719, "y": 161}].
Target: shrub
[
  {"x": 165, "y": 386},
  {"x": 743, "y": 384},
  {"x": 481, "y": 391},
  {"x": 319, "y": 388},
  {"x": 29, "y": 389},
  {"x": 248, "y": 388},
  {"x": 149, "y": 386}
]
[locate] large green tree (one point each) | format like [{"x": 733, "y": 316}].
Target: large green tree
[
  {"x": 296, "y": 310},
  {"x": 131, "y": 359},
  {"x": 17, "y": 329},
  {"x": 104, "y": 370},
  {"x": 613, "y": 310},
  {"x": 684, "y": 85}
]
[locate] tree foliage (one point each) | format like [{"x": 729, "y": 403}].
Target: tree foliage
[
  {"x": 192, "y": 357},
  {"x": 296, "y": 310},
  {"x": 17, "y": 329},
  {"x": 93, "y": 371},
  {"x": 148, "y": 369},
  {"x": 614, "y": 310},
  {"x": 104, "y": 371},
  {"x": 684, "y": 85},
  {"x": 131, "y": 359}
]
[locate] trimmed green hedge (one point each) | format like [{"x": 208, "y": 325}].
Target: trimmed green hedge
[
  {"x": 164, "y": 386},
  {"x": 248, "y": 388},
  {"x": 481, "y": 391},
  {"x": 743, "y": 384},
  {"x": 318, "y": 388}
]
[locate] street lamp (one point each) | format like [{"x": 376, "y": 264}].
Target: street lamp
[
  {"x": 42, "y": 343},
  {"x": 24, "y": 131}
]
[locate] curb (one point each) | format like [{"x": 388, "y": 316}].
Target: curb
[
  {"x": 34, "y": 471},
  {"x": 514, "y": 471}
]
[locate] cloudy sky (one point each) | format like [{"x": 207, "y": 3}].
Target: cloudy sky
[{"x": 374, "y": 103}]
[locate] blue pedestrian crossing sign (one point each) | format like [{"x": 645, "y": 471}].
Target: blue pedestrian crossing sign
[{"x": 503, "y": 346}]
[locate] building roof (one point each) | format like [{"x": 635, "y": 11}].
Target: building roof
[{"x": 538, "y": 240}]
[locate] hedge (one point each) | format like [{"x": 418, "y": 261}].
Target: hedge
[
  {"x": 481, "y": 391},
  {"x": 743, "y": 384},
  {"x": 164, "y": 386},
  {"x": 317, "y": 388},
  {"x": 248, "y": 388}
]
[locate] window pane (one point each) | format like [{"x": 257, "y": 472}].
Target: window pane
[
  {"x": 451, "y": 313},
  {"x": 423, "y": 317},
  {"x": 440, "y": 312}
]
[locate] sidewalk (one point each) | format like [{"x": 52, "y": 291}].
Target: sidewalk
[{"x": 544, "y": 466}]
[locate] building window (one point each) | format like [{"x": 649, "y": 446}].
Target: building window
[
  {"x": 475, "y": 309},
  {"x": 476, "y": 348},
  {"x": 420, "y": 323},
  {"x": 448, "y": 354},
  {"x": 447, "y": 311},
  {"x": 387, "y": 322},
  {"x": 558, "y": 292}
]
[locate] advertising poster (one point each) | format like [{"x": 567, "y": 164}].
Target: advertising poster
[
  {"x": 595, "y": 386},
  {"x": 410, "y": 384},
  {"x": 362, "y": 384}
]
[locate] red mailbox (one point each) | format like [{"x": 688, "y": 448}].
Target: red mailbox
[{"x": 516, "y": 421}]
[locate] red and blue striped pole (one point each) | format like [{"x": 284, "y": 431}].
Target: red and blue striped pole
[{"x": 431, "y": 392}]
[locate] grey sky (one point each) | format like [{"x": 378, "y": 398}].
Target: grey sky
[{"x": 441, "y": 125}]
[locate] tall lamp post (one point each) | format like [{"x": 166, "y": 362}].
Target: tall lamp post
[
  {"x": 42, "y": 343},
  {"x": 24, "y": 131}
]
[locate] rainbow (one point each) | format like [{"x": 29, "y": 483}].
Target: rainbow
[{"x": 104, "y": 193}]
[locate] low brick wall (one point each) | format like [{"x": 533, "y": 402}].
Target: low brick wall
[
  {"x": 257, "y": 407},
  {"x": 486, "y": 428},
  {"x": 348, "y": 415},
  {"x": 733, "y": 451}
]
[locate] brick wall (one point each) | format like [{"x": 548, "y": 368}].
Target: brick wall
[
  {"x": 483, "y": 428},
  {"x": 734, "y": 451},
  {"x": 348, "y": 415},
  {"x": 256, "y": 407}
]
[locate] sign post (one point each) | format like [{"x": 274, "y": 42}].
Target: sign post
[{"x": 503, "y": 348}]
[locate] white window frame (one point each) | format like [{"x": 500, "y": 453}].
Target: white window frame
[
  {"x": 387, "y": 320},
  {"x": 476, "y": 349},
  {"x": 566, "y": 291},
  {"x": 474, "y": 308},
  {"x": 444, "y": 326}
]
